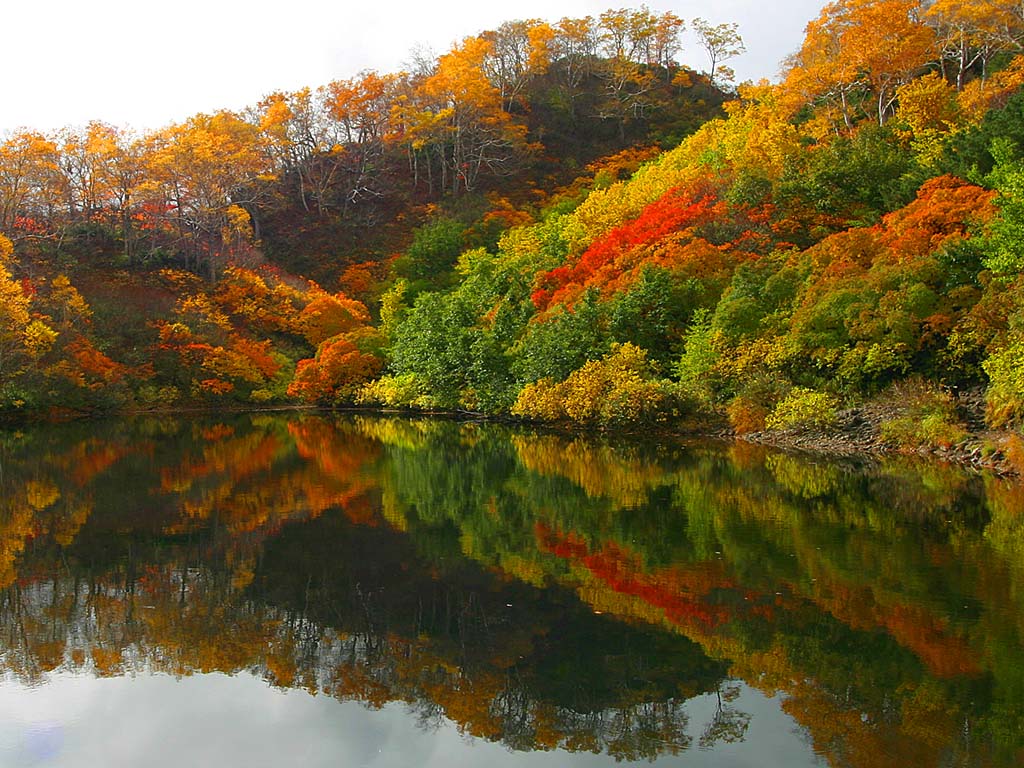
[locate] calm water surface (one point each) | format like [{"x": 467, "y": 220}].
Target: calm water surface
[{"x": 320, "y": 590}]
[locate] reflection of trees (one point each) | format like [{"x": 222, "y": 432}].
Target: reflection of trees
[
  {"x": 885, "y": 558},
  {"x": 246, "y": 569},
  {"x": 883, "y": 602},
  {"x": 728, "y": 724}
]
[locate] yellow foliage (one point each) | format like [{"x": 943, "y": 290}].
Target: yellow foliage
[
  {"x": 69, "y": 302},
  {"x": 540, "y": 400},
  {"x": 979, "y": 96},
  {"x": 40, "y": 494},
  {"x": 39, "y": 338},
  {"x": 613, "y": 390}
]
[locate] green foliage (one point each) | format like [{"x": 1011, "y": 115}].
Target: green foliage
[
  {"x": 1005, "y": 395},
  {"x": 926, "y": 417},
  {"x": 651, "y": 312},
  {"x": 699, "y": 357},
  {"x": 431, "y": 257},
  {"x": 855, "y": 178},
  {"x": 434, "y": 342},
  {"x": 555, "y": 346},
  {"x": 973, "y": 152},
  {"x": 1005, "y": 241}
]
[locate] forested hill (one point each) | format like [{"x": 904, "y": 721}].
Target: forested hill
[{"x": 494, "y": 232}]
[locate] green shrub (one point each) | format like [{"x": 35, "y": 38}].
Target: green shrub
[{"x": 927, "y": 418}]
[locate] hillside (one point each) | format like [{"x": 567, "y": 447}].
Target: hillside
[{"x": 555, "y": 223}]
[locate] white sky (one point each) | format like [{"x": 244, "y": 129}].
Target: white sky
[{"x": 146, "y": 64}]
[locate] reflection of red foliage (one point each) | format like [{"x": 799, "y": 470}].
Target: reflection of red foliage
[{"x": 679, "y": 593}]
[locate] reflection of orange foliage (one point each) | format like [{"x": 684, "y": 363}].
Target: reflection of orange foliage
[
  {"x": 240, "y": 457},
  {"x": 843, "y": 737},
  {"x": 912, "y": 626},
  {"x": 678, "y": 592},
  {"x": 342, "y": 469},
  {"x": 50, "y": 654},
  {"x": 217, "y": 432},
  {"x": 360, "y": 509},
  {"x": 108, "y": 661},
  {"x": 88, "y": 459}
]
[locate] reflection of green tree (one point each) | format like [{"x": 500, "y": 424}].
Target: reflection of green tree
[
  {"x": 857, "y": 546},
  {"x": 887, "y": 590},
  {"x": 155, "y": 589}
]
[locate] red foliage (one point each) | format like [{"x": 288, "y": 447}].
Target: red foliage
[{"x": 601, "y": 263}]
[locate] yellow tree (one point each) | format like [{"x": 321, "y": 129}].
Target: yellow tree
[
  {"x": 199, "y": 173},
  {"x": 971, "y": 32},
  {"x": 28, "y": 166},
  {"x": 296, "y": 141},
  {"x": 464, "y": 122},
  {"x": 633, "y": 42},
  {"x": 574, "y": 53},
  {"x": 21, "y": 338},
  {"x": 720, "y": 42},
  {"x": 84, "y": 154},
  {"x": 360, "y": 111},
  {"x": 519, "y": 51},
  {"x": 870, "y": 46}
]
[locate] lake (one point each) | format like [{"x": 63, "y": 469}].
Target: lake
[{"x": 352, "y": 590}]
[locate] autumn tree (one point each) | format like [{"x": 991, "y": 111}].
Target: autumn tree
[
  {"x": 519, "y": 51},
  {"x": 970, "y": 33},
  {"x": 201, "y": 177},
  {"x": 458, "y": 117},
  {"x": 18, "y": 336},
  {"x": 872, "y": 46},
  {"x": 720, "y": 42},
  {"x": 28, "y": 168},
  {"x": 574, "y": 53}
]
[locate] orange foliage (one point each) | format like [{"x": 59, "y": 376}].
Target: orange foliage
[
  {"x": 96, "y": 369},
  {"x": 945, "y": 207},
  {"x": 338, "y": 368},
  {"x": 328, "y": 315}
]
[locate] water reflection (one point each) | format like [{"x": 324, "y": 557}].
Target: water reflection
[{"x": 532, "y": 591}]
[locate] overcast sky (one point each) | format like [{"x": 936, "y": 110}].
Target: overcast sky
[
  {"x": 145, "y": 64},
  {"x": 215, "y": 720}
]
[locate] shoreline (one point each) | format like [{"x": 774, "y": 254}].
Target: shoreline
[{"x": 855, "y": 433}]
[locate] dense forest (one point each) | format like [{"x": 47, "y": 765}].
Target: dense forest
[{"x": 556, "y": 222}]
